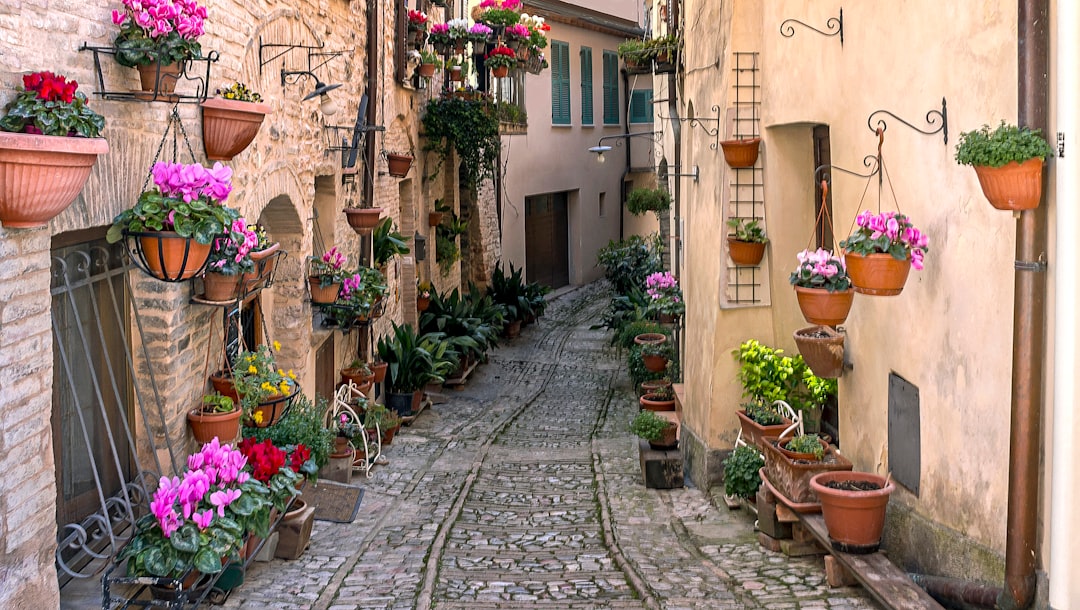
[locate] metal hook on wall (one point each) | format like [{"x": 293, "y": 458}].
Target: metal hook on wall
[
  {"x": 931, "y": 119},
  {"x": 699, "y": 122},
  {"x": 787, "y": 30}
]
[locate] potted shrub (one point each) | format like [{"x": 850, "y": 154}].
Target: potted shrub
[
  {"x": 740, "y": 152},
  {"x": 881, "y": 252},
  {"x": 665, "y": 296},
  {"x": 769, "y": 375},
  {"x": 498, "y": 15},
  {"x": 500, "y": 60},
  {"x": 822, "y": 349},
  {"x": 853, "y": 505},
  {"x": 822, "y": 287},
  {"x": 158, "y": 46},
  {"x": 217, "y": 417},
  {"x": 642, "y": 200},
  {"x": 264, "y": 389},
  {"x": 660, "y": 399},
  {"x": 1008, "y": 162},
  {"x": 175, "y": 223},
  {"x": 325, "y": 276},
  {"x": 508, "y": 291},
  {"x": 362, "y": 220},
  {"x": 741, "y": 468},
  {"x": 746, "y": 244},
  {"x": 231, "y": 121},
  {"x": 409, "y": 367},
  {"x": 398, "y": 164},
  {"x": 49, "y": 141},
  {"x": 387, "y": 242},
  {"x": 634, "y": 55},
  {"x": 809, "y": 447},
  {"x": 759, "y": 421},
  {"x": 660, "y": 432},
  {"x": 388, "y": 422}
]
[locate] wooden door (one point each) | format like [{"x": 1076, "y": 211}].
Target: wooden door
[{"x": 547, "y": 241}]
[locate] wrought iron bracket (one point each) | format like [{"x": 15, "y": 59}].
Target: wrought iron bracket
[
  {"x": 316, "y": 57},
  {"x": 931, "y": 119},
  {"x": 700, "y": 122},
  {"x": 871, "y": 162},
  {"x": 787, "y": 28}
]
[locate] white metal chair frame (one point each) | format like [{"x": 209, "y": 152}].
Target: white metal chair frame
[{"x": 343, "y": 401}]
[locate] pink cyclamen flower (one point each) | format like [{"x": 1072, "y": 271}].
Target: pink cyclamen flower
[
  {"x": 221, "y": 499},
  {"x": 203, "y": 519}
]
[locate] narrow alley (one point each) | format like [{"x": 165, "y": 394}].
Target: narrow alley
[{"x": 523, "y": 491}]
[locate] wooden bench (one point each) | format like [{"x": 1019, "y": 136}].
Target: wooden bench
[{"x": 889, "y": 585}]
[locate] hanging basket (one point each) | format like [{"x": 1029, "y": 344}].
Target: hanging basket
[
  {"x": 205, "y": 427},
  {"x": 1013, "y": 186},
  {"x": 823, "y": 350},
  {"x": 500, "y": 71},
  {"x": 363, "y": 220},
  {"x": 877, "y": 274},
  {"x": 819, "y": 306},
  {"x": 229, "y": 126},
  {"x": 321, "y": 295},
  {"x": 42, "y": 175},
  {"x": 398, "y": 165},
  {"x": 741, "y": 153},
  {"x": 219, "y": 287},
  {"x": 167, "y": 256},
  {"x": 746, "y": 253}
]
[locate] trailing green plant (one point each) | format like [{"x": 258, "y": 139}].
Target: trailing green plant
[
  {"x": 744, "y": 229},
  {"x": 387, "y": 242},
  {"x": 636, "y": 368},
  {"x": 649, "y": 426},
  {"x": 303, "y": 424},
  {"x": 762, "y": 413},
  {"x": 806, "y": 443},
  {"x": 1006, "y": 144},
  {"x": 627, "y": 263},
  {"x": 446, "y": 250},
  {"x": 471, "y": 128},
  {"x": 741, "y": 478},
  {"x": 642, "y": 200},
  {"x": 409, "y": 364},
  {"x": 661, "y": 44},
  {"x": 632, "y": 49},
  {"x": 625, "y": 336}
]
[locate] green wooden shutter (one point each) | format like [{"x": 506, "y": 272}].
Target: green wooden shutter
[
  {"x": 611, "y": 88},
  {"x": 560, "y": 83},
  {"x": 586, "y": 86},
  {"x": 641, "y": 106}
]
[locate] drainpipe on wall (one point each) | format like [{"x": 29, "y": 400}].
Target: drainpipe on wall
[
  {"x": 373, "y": 17},
  {"x": 1064, "y": 490},
  {"x": 626, "y": 168}
]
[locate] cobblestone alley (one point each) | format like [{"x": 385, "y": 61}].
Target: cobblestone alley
[{"x": 524, "y": 491}]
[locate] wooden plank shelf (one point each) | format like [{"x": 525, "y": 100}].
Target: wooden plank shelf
[{"x": 889, "y": 585}]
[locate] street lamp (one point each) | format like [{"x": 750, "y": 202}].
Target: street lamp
[{"x": 600, "y": 148}]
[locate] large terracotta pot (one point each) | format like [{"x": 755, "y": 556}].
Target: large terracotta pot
[
  {"x": 172, "y": 258},
  {"x": 855, "y": 518},
  {"x": 229, "y": 126},
  {"x": 319, "y": 294},
  {"x": 650, "y": 386},
  {"x": 221, "y": 287},
  {"x": 741, "y": 153},
  {"x": 654, "y": 363},
  {"x": 823, "y": 350},
  {"x": 206, "y": 426},
  {"x": 41, "y": 175},
  {"x": 877, "y": 274},
  {"x": 164, "y": 79},
  {"x": 746, "y": 253},
  {"x": 363, "y": 220},
  {"x": 652, "y": 402},
  {"x": 819, "y": 306},
  {"x": 1013, "y": 186}
]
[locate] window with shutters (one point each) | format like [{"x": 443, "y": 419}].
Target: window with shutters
[
  {"x": 641, "y": 106},
  {"x": 560, "y": 83},
  {"x": 611, "y": 88},
  {"x": 586, "y": 86}
]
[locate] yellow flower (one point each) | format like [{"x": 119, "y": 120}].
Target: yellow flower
[
  {"x": 258, "y": 417},
  {"x": 266, "y": 385},
  {"x": 284, "y": 387},
  {"x": 292, "y": 375},
  {"x": 253, "y": 369},
  {"x": 277, "y": 346},
  {"x": 281, "y": 372}
]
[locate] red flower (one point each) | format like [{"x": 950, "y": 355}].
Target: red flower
[
  {"x": 264, "y": 458},
  {"x": 500, "y": 51},
  {"x": 299, "y": 455}
]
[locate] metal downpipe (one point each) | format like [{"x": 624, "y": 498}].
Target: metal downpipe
[
  {"x": 952, "y": 591},
  {"x": 1029, "y": 323}
]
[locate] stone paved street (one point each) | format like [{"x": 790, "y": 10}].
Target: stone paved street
[{"x": 524, "y": 491}]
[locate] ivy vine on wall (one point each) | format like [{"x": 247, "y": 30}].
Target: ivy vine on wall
[{"x": 470, "y": 127}]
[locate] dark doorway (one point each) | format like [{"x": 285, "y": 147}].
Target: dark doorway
[
  {"x": 823, "y": 156},
  {"x": 547, "y": 241}
]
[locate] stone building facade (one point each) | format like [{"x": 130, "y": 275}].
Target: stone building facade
[{"x": 286, "y": 180}]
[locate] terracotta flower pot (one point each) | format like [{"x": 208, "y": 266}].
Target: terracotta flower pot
[
  {"x": 512, "y": 329},
  {"x": 823, "y": 350},
  {"x": 222, "y": 382},
  {"x": 668, "y": 438},
  {"x": 741, "y": 153},
  {"x": 206, "y": 426},
  {"x": 172, "y": 258},
  {"x": 1013, "y": 186},
  {"x": 654, "y": 363},
  {"x": 745, "y": 253},
  {"x": 398, "y": 165},
  {"x": 379, "y": 369},
  {"x": 229, "y": 126},
  {"x": 426, "y": 70},
  {"x": 434, "y": 219},
  {"x": 877, "y": 274},
  {"x": 652, "y": 385},
  {"x": 363, "y": 382},
  {"x": 162, "y": 81},
  {"x": 221, "y": 287},
  {"x": 422, "y": 303},
  {"x": 819, "y": 306},
  {"x": 855, "y": 518},
  {"x": 500, "y": 71},
  {"x": 271, "y": 411},
  {"x": 791, "y": 478},
  {"x": 650, "y": 339},
  {"x": 363, "y": 220},
  {"x": 652, "y": 402},
  {"x": 42, "y": 175},
  {"x": 319, "y": 294},
  {"x": 264, "y": 266},
  {"x": 755, "y": 433},
  {"x": 455, "y": 74}
]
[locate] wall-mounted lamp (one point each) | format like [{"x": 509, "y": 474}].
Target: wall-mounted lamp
[
  {"x": 326, "y": 105},
  {"x": 600, "y": 148}
]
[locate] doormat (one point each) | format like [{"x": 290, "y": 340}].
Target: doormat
[{"x": 333, "y": 501}]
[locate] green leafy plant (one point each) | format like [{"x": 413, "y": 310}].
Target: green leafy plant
[
  {"x": 625, "y": 336},
  {"x": 471, "y": 128},
  {"x": 1006, "y": 144},
  {"x": 741, "y": 478},
  {"x": 303, "y": 425},
  {"x": 627, "y": 263},
  {"x": 378, "y": 414},
  {"x": 767, "y": 375},
  {"x": 51, "y": 105},
  {"x": 386, "y": 242},
  {"x": 642, "y": 200},
  {"x": 661, "y": 46},
  {"x": 636, "y": 368},
  {"x": 748, "y": 230},
  {"x": 511, "y": 113},
  {"x": 409, "y": 364},
  {"x": 216, "y": 403},
  {"x": 496, "y": 16},
  {"x": 806, "y": 443},
  {"x": 446, "y": 250},
  {"x": 430, "y": 57},
  {"x": 632, "y": 49},
  {"x": 509, "y": 291},
  {"x": 649, "y": 426},
  {"x": 762, "y": 413}
]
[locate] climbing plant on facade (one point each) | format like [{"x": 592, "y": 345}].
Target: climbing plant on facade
[{"x": 472, "y": 128}]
